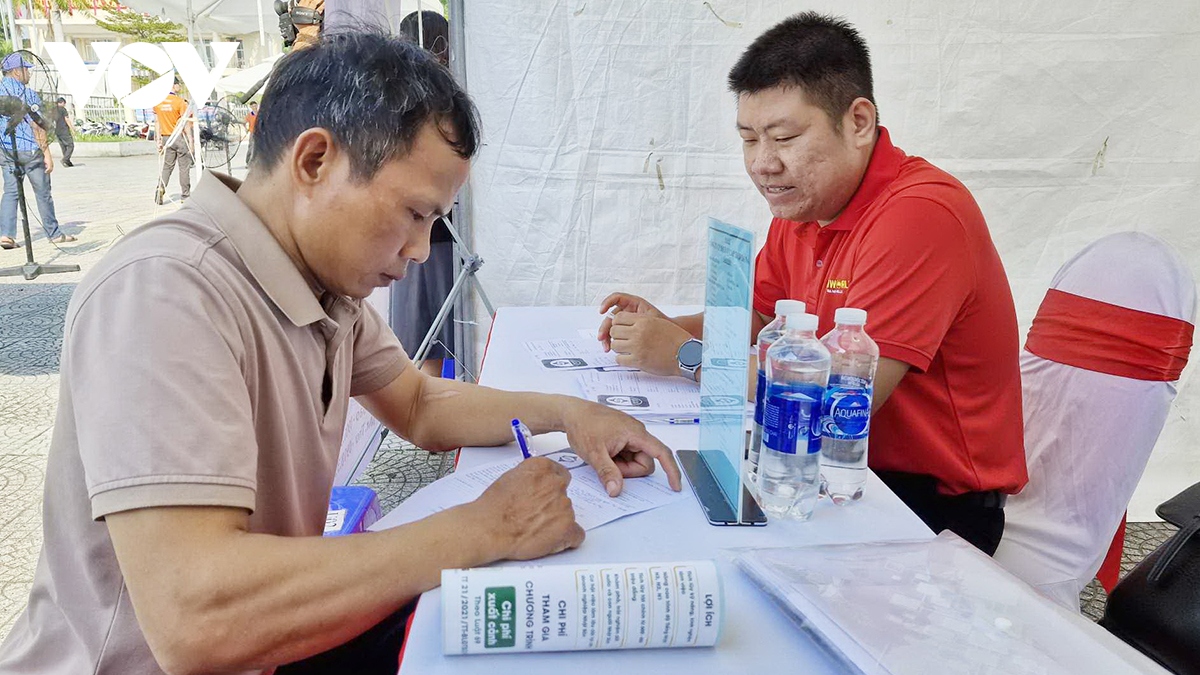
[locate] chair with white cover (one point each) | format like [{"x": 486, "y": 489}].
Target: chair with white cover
[{"x": 1098, "y": 374}]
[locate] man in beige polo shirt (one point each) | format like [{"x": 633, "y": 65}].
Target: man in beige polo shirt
[{"x": 206, "y": 367}]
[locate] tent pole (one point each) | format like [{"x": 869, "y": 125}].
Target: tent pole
[
  {"x": 262, "y": 34},
  {"x": 12, "y": 23},
  {"x": 13, "y": 36},
  {"x": 464, "y": 311},
  {"x": 33, "y": 29},
  {"x": 420, "y": 24},
  {"x": 191, "y": 23}
]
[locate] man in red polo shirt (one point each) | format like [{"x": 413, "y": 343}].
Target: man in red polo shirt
[{"x": 858, "y": 223}]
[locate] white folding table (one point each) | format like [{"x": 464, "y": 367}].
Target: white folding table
[{"x": 757, "y": 637}]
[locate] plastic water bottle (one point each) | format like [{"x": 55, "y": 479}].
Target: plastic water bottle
[
  {"x": 766, "y": 337},
  {"x": 789, "y": 467},
  {"x": 846, "y": 410}
]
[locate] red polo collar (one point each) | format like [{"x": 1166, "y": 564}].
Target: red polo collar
[{"x": 881, "y": 171}]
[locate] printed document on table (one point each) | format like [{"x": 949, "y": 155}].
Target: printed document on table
[
  {"x": 573, "y": 354},
  {"x": 593, "y": 506},
  {"x": 640, "y": 394},
  {"x": 547, "y": 608},
  {"x": 651, "y": 396}
]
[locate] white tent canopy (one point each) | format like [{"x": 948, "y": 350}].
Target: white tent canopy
[
  {"x": 609, "y": 137},
  {"x": 228, "y": 17},
  {"x": 243, "y": 80}
]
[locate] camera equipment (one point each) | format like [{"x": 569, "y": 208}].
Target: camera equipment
[
  {"x": 245, "y": 98},
  {"x": 16, "y": 110},
  {"x": 293, "y": 14}
]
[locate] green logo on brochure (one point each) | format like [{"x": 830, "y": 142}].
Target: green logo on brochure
[{"x": 500, "y": 624}]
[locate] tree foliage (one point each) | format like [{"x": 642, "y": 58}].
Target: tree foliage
[
  {"x": 43, "y": 7},
  {"x": 143, "y": 27}
]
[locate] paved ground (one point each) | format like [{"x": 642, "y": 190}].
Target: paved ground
[{"x": 98, "y": 201}]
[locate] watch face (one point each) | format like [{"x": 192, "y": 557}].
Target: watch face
[{"x": 690, "y": 353}]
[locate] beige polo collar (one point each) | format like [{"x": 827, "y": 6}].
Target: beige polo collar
[{"x": 268, "y": 263}]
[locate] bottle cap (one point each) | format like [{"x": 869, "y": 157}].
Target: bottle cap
[
  {"x": 850, "y": 316},
  {"x": 800, "y": 321},
  {"x": 785, "y": 307}
]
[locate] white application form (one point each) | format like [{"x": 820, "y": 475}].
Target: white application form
[
  {"x": 573, "y": 354},
  {"x": 641, "y": 394},
  {"x": 593, "y": 506}
]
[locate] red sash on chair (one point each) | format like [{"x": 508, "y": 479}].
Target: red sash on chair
[
  {"x": 1115, "y": 340},
  {"x": 1104, "y": 338}
]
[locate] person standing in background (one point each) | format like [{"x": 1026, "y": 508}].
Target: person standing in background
[
  {"x": 417, "y": 298},
  {"x": 64, "y": 130},
  {"x": 31, "y": 152},
  {"x": 251, "y": 120},
  {"x": 177, "y": 149}
]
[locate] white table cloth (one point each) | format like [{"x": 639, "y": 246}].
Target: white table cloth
[{"x": 756, "y": 637}]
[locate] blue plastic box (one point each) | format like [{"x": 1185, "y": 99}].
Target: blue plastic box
[{"x": 352, "y": 508}]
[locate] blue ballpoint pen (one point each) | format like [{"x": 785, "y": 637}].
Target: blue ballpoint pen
[{"x": 521, "y": 433}]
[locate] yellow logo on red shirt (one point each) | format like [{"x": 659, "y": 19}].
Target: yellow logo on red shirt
[{"x": 838, "y": 286}]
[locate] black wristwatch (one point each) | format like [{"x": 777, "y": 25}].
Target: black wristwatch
[{"x": 689, "y": 356}]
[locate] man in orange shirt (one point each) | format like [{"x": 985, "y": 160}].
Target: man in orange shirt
[
  {"x": 858, "y": 223},
  {"x": 251, "y": 121},
  {"x": 174, "y": 147}
]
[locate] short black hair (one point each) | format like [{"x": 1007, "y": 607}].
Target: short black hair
[
  {"x": 60, "y": 100},
  {"x": 373, "y": 92},
  {"x": 822, "y": 55}
]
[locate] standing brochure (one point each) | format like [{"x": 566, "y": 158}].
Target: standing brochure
[{"x": 554, "y": 608}]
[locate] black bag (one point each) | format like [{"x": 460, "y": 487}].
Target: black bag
[{"x": 1156, "y": 608}]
